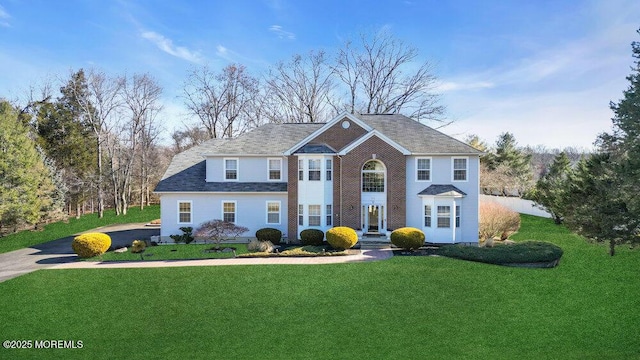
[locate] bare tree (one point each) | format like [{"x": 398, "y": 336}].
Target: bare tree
[
  {"x": 302, "y": 87},
  {"x": 188, "y": 138},
  {"x": 382, "y": 76},
  {"x": 219, "y": 100}
]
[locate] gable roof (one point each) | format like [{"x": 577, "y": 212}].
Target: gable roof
[{"x": 325, "y": 126}]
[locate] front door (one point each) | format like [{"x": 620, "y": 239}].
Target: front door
[{"x": 374, "y": 218}]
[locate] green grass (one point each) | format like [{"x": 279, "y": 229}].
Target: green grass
[
  {"x": 59, "y": 230},
  {"x": 172, "y": 252},
  {"x": 402, "y": 308}
]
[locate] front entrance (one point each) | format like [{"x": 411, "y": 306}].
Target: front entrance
[{"x": 373, "y": 218}]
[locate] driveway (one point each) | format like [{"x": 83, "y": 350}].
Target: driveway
[{"x": 49, "y": 254}]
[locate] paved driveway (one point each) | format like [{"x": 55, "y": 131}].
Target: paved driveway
[{"x": 46, "y": 255}]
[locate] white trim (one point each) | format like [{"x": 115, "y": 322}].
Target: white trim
[
  {"x": 368, "y": 136},
  {"x": 453, "y": 160},
  {"x": 430, "y": 168},
  {"x": 224, "y": 169},
  {"x": 235, "y": 209},
  {"x": 266, "y": 221},
  {"x": 327, "y": 126},
  {"x": 190, "y": 202},
  {"x": 269, "y": 170}
]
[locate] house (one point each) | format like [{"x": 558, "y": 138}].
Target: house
[{"x": 373, "y": 173}]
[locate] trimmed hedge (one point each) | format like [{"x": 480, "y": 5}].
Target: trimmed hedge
[
  {"x": 91, "y": 244},
  {"x": 312, "y": 237},
  {"x": 342, "y": 237},
  {"x": 269, "y": 234},
  {"x": 407, "y": 238},
  {"x": 519, "y": 253}
]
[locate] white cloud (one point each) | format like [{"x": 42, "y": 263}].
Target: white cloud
[
  {"x": 447, "y": 86},
  {"x": 167, "y": 46},
  {"x": 281, "y": 33},
  {"x": 4, "y": 17}
]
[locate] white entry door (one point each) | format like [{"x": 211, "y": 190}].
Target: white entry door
[{"x": 373, "y": 218}]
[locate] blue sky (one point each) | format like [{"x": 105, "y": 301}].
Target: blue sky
[{"x": 543, "y": 70}]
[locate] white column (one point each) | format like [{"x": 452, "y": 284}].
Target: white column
[{"x": 453, "y": 219}]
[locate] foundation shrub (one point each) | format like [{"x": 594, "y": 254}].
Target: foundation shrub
[
  {"x": 312, "y": 237},
  {"x": 91, "y": 244},
  {"x": 342, "y": 237},
  {"x": 407, "y": 238},
  {"x": 497, "y": 221},
  {"x": 260, "y": 246},
  {"x": 269, "y": 234},
  {"x": 138, "y": 246}
]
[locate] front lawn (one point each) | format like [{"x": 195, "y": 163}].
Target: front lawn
[
  {"x": 401, "y": 308},
  {"x": 62, "y": 229}
]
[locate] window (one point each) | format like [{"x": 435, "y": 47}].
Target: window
[
  {"x": 373, "y": 176},
  {"x": 275, "y": 169},
  {"x": 314, "y": 170},
  {"x": 329, "y": 168},
  {"x": 329, "y": 215},
  {"x": 427, "y": 216},
  {"x": 459, "y": 169},
  {"x": 184, "y": 212},
  {"x": 301, "y": 170},
  {"x": 231, "y": 169},
  {"x": 423, "y": 166},
  {"x": 457, "y": 216},
  {"x": 444, "y": 216},
  {"x": 301, "y": 215},
  {"x": 273, "y": 212},
  {"x": 229, "y": 211},
  {"x": 314, "y": 215}
]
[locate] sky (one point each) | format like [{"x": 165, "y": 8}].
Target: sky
[{"x": 542, "y": 70}]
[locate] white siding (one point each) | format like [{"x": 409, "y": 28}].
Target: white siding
[
  {"x": 251, "y": 211},
  {"x": 250, "y": 169},
  {"x": 317, "y": 192}
]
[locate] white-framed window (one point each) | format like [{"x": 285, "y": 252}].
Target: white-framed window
[
  {"x": 373, "y": 176},
  {"x": 314, "y": 215},
  {"x": 457, "y": 216},
  {"x": 314, "y": 169},
  {"x": 229, "y": 210},
  {"x": 329, "y": 169},
  {"x": 427, "y": 216},
  {"x": 460, "y": 168},
  {"x": 274, "y": 169},
  {"x": 300, "y": 170},
  {"x": 301, "y": 215},
  {"x": 423, "y": 169},
  {"x": 444, "y": 216},
  {"x": 273, "y": 212},
  {"x": 231, "y": 169},
  {"x": 329, "y": 215},
  {"x": 185, "y": 212}
]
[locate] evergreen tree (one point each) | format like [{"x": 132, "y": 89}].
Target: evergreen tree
[
  {"x": 550, "y": 190},
  {"x": 509, "y": 162}
]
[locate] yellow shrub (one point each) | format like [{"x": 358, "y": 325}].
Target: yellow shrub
[
  {"x": 91, "y": 244},
  {"x": 138, "y": 246},
  {"x": 407, "y": 238},
  {"x": 342, "y": 237}
]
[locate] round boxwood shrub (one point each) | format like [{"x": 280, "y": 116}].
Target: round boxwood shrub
[
  {"x": 138, "y": 246},
  {"x": 269, "y": 234},
  {"x": 407, "y": 238},
  {"x": 342, "y": 237},
  {"x": 91, "y": 244},
  {"x": 312, "y": 237}
]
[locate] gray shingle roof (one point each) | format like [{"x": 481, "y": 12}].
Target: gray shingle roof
[
  {"x": 442, "y": 190},
  {"x": 414, "y": 136}
]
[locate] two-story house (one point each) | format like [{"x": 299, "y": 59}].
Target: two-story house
[{"x": 373, "y": 173}]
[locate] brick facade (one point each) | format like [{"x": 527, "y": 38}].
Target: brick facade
[
  {"x": 338, "y": 137},
  {"x": 292, "y": 190}
]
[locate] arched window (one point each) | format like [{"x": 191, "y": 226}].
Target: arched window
[{"x": 373, "y": 176}]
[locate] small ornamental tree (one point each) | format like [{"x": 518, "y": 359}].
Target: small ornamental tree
[{"x": 219, "y": 231}]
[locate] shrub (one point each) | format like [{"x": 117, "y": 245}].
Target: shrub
[
  {"x": 497, "y": 221},
  {"x": 518, "y": 253},
  {"x": 312, "y": 237},
  {"x": 269, "y": 234},
  {"x": 91, "y": 244},
  {"x": 186, "y": 237},
  {"x": 138, "y": 246},
  {"x": 407, "y": 238},
  {"x": 342, "y": 237},
  {"x": 260, "y": 246}
]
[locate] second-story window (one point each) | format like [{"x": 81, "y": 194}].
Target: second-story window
[
  {"x": 329, "y": 169},
  {"x": 300, "y": 170},
  {"x": 275, "y": 169},
  {"x": 314, "y": 169},
  {"x": 231, "y": 169},
  {"x": 423, "y": 166},
  {"x": 460, "y": 169}
]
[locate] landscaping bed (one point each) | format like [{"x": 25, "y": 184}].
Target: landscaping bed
[
  {"x": 299, "y": 251},
  {"x": 175, "y": 252}
]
